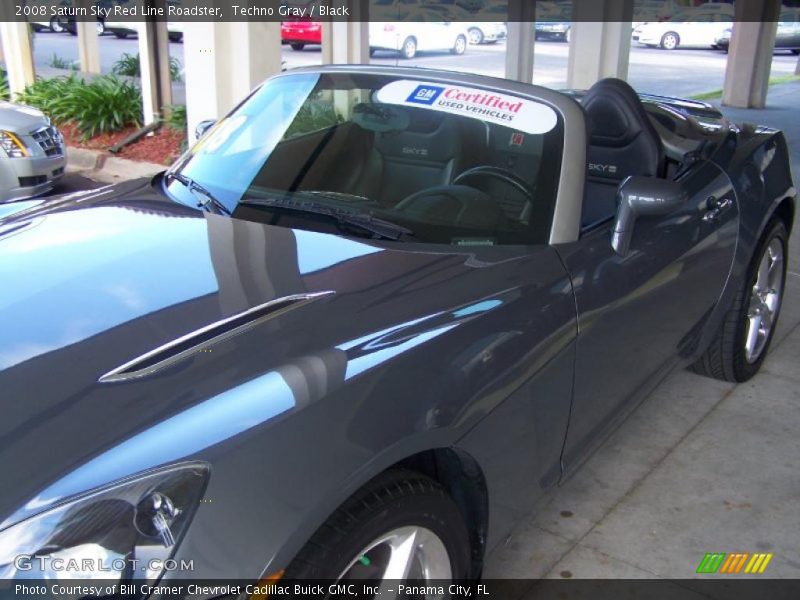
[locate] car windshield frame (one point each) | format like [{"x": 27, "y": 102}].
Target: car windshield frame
[{"x": 300, "y": 86}]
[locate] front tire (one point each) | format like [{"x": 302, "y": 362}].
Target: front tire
[
  {"x": 460, "y": 46},
  {"x": 670, "y": 40},
  {"x": 476, "y": 36},
  {"x": 401, "y": 525},
  {"x": 741, "y": 345},
  {"x": 297, "y": 46},
  {"x": 409, "y": 48}
]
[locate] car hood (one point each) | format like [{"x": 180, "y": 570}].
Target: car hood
[
  {"x": 96, "y": 281},
  {"x": 21, "y": 119}
]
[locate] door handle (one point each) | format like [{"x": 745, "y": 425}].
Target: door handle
[{"x": 715, "y": 207}]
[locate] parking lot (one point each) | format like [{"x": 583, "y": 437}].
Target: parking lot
[{"x": 680, "y": 72}]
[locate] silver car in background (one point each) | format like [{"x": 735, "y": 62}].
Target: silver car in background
[{"x": 32, "y": 152}]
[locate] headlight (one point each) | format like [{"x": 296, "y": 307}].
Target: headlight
[
  {"x": 122, "y": 533},
  {"x": 12, "y": 145}
]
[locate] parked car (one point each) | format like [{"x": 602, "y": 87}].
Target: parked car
[
  {"x": 787, "y": 35},
  {"x": 686, "y": 29},
  {"x": 32, "y": 152},
  {"x": 558, "y": 30},
  {"x": 367, "y": 321},
  {"x": 480, "y": 32},
  {"x": 300, "y": 33},
  {"x": 423, "y": 34}
]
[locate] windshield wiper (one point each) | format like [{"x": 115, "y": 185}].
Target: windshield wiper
[
  {"x": 374, "y": 225},
  {"x": 208, "y": 201}
]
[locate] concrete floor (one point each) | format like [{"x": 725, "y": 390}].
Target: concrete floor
[{"x": 701, "y": 466}]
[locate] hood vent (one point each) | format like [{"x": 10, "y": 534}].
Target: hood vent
[{"x": 201, "y": 339}]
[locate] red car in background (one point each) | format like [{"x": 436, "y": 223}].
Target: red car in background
[{"x": 299, "y": 33}]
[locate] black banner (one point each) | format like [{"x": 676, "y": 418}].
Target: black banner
[
  {"x": 393, "y": 10},
  {"x": 714, "y": 587}
]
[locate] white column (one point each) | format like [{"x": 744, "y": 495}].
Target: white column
[
  {"x": 16, "y": 42},
  {"x": 521, "y": 39},
  {"x": 224, "y": 62},
  {"x": 154, "y": 62},
  {"x": 88, "y": 48},
  {"x": 750, "y": 55},
  {"x": 600, "y": 42},
  {"x": 345, "y": 42}
]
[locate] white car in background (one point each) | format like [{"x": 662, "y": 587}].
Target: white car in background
[
  {"x": 32, "y": 152},
  {"x": 410, "y": 37},
  {"x": 686, "y": 29},
  {"x": 480, "y": 32}
]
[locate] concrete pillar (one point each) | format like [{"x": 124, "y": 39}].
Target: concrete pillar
[
  {"x": 154, "y": 62},
  {"x": 797, "y": 68},
  {"x": 521, "y": 39},
  {"x": 600, "y": 42},
  {"x": 224, "y": 62},
  {"x": 88, "y": 48},
  {"x": 345, "y": 42},
  {"x": 750, "y": 55},
  {"x": 17, "y": 47}
]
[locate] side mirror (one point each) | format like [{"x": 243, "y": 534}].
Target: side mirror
[
  {"x": 202, "y": 127},
  {"x": 643, "y": 197}
]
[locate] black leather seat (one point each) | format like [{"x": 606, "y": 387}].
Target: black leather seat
[
  {"x": 622, "y": 142},
  {"x": 430, "y": 152}
]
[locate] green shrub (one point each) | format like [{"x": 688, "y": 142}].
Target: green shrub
[
  {"x": 105, "y": 104},
  {"x": 176, "y": 117},
  {"x": 62, "y": 63},
  {"x": 5, "y": 94},
  {"x": 128, "y": 65}
]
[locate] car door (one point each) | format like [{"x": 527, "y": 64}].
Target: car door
[{"x": 639, "y": 314}]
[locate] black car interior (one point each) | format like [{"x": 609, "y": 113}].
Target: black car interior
[
  {"x": 425, "y": 166},
  {"x": 629, "y": 137},
  {"x": 622, "y": 142}
]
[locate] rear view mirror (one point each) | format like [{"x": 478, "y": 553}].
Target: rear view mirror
[
  {"x": 642, "y": 197},
  {"x": 202, "y": 127}
]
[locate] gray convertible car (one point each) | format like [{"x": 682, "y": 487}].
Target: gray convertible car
[{"x": 367, "y": 321}]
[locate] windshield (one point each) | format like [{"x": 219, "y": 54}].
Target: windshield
[{"x": 438, "y": 163}]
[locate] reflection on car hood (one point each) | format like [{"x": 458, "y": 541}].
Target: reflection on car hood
[{"x": 93, "y": 285}]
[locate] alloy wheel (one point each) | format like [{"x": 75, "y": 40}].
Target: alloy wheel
[
  {"x": 407, "y": 553},
  {"x": 475, "y": 36},
  {"x": 765, "y": 300}
]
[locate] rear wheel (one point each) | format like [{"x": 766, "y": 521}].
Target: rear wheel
[
  {"x": 400, "y": 526},
  {"x": 409, "y": 48},
  {"x": 741, "y": 345},
  {"x": 56, "y": 26},
  {"x": 670, "y": 40},
  {"x": 297, "y": 46},
  {"x": 176, "y": 36},
  {"x": 460, "y": 46}
]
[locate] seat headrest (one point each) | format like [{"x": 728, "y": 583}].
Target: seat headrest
[
  {"x": 428, "y": 139},
  {"x": 622, "y": 139}
]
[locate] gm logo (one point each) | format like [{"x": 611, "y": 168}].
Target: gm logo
[
  {"x": 425, "y": 94},
  {"x": 734, "y": 563}
]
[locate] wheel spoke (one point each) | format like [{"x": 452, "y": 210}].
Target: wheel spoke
[{"x": 753, "y": 327}]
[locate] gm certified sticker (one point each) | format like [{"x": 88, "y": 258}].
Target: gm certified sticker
[{"x": 493, "y": 107}]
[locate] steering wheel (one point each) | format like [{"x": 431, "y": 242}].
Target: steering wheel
[{"x": 495, "y": 173}]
